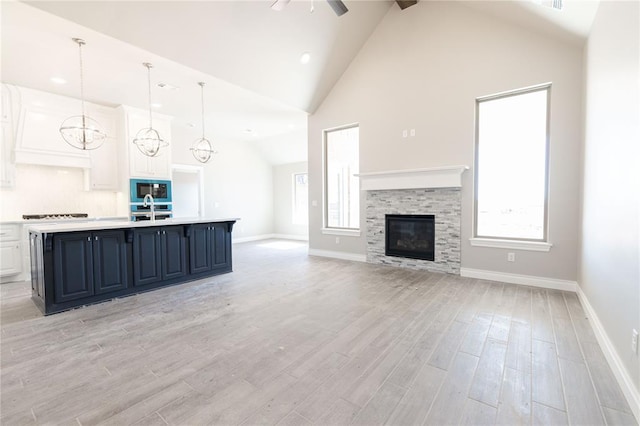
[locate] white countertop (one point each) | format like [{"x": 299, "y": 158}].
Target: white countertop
[
  {"x": 119, "y": 224},
  {"x": 54, "y": 221}
]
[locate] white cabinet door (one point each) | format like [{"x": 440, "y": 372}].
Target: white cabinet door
[
  {"x": 104, "y": 167},
  {"x": 7, "y": 169},
  {"x": 103, "y": 174},
  {"x": 10, "y": 258},
  {"x": 160, "y": 165}
]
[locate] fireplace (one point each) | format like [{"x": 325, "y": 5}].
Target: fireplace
[
  {"x": 436, "y": 191},
  {"x": 410, "y": 235}
]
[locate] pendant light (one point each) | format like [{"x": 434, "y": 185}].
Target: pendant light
[
  {"x": 148, "y": 140},
  {"x": 82, "y": 131},
  {"x": 201, "y": 148}
]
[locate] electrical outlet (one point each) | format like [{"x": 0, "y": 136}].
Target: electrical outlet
[
  {"x": 337, "y": 240},
  {"x": 404, "y": 133},
  {"x": 412, "y": 132},
  {"x": 634, "y": 341},
  {"x": 511, "y": 257}
]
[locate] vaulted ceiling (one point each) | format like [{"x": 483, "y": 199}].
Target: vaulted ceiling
[
  {"x": 245, "y": 43},
  {"x": 248, "y": 53}
]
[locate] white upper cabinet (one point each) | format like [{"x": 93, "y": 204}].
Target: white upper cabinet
[
  {"x": 139, "y": 164},
  {"x": 7, "y": 170},
  {"x": 103, "y": 174},
  {"x": 7, "y": 139}
]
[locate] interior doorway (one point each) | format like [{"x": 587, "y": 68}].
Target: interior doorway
[{"x": 188, "y": 190}]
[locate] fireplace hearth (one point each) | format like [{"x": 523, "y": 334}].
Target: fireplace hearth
[{"x": 410, "y": 236}]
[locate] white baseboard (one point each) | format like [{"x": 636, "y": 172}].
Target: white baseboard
[
  {"x": 291, "y": 237},
  {"x": 530, "y": 280},
  {"x": 270, "y": 236},
  {"x": 622, "y": 376},
  {"x": 253, "y": 238},
  {"x": 338, "y": 255}
]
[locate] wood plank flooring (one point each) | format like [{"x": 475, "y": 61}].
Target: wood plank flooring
[{"x": 291, "y": 339}]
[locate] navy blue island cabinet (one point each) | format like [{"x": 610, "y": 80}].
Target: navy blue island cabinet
[{"x": 81, "y": 264}]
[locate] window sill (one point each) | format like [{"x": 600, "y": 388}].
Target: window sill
[
  {"x": 343, "y": 232},
  {"x": 511, "y": 244}
]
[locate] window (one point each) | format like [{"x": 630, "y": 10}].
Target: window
[
  {"x": 511, "y": 165},
  {"x": 300, "y": 197},
  {"x": 342, "y": 189}
]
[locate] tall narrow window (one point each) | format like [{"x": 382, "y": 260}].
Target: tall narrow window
[
  {"x": 342, "y": 191},
  {"x": 300, "y": 199},
  {"x": 511, "y": 165}
]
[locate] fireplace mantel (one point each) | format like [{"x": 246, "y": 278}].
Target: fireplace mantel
[{"x": 435, "y": 177}]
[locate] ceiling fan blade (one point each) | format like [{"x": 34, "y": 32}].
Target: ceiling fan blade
[
  {"x": 406, "y": 3},
  {"x": 338, "y": 7},
  {"x": 279, "y": 4}
]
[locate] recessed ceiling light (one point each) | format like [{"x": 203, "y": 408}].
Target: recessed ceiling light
[
  {"x": 248, "y": 130},
  {"x": 167, "y": 86},
  {"x": 191, "y": 125},
  {"x": 291, "y": 126},
  {"x": 58, "y": 80},
  {"x": 156, "y": 105},
  {"x": 305, "y": 58}
]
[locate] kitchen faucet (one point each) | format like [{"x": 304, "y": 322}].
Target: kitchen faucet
[{"x": 148, "y": 199}]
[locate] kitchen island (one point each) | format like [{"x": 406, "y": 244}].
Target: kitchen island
[{"x": 76, "y": 264}]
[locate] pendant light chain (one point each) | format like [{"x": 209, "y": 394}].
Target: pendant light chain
[
  {"x": 84, "y": 123},
  {"x": 80, "y": 44},
  {"x": 202, "y": 104},
  {"x": 148, "y": 65}
]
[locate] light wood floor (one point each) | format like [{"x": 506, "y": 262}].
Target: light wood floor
[{"x": 292, "y": 339}]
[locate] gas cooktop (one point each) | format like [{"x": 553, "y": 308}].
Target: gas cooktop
[{"x": 55, "y": 216}]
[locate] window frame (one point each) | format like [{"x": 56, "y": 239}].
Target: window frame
[
  {"x": 326, "y": 229},
  {"x": 533, "y": 244}
]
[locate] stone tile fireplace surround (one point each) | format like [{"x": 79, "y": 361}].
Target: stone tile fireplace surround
[{"x": 435, "y": 191}]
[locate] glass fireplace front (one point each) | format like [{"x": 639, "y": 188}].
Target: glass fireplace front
[{"x": 411, "y": 236}]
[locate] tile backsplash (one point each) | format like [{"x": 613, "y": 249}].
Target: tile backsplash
[{"x": 44, "y": 189}]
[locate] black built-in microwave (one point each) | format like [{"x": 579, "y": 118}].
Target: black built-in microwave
[{"x": 160, "y": 190}]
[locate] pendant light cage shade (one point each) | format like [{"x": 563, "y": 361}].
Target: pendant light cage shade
[
  {"x": 201, "y": 148},
  {"x": 148, "y": 140},
  {"x": 81, "y": 131}
]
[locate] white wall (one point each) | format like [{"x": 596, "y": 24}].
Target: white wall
[
  {"x": 283, "y": 200},
  {"x": 238, "y": 182},
  {"x": 609, "y": 272},
  {"x": 185, "y": 187},
  {"x": 423, "y": 70},
  {"x": 43, "y": 189}
]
